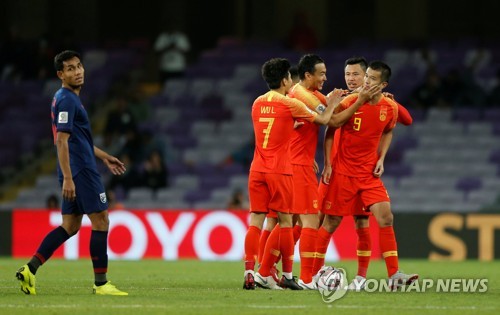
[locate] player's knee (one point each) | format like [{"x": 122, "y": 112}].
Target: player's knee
[
  {"x": 330, "y": 223},
  {"x": 386, "y": 219},
  {"x": 71, "y": 229},
  {"x": 361, "y": 222},
  {"x": 100, "y": 222}
]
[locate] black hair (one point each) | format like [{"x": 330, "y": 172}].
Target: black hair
[
  {"x": 307, "y": 64},
  {"x": 385, "y": 70},
  {"x": 275, "y": 70},
  {"x": 64, "y": 56},
  {"x": 357, "y": 60}
]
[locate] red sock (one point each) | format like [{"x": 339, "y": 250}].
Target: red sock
[
  {"x": 251, "y": 247},
  {"x": 286, "y": 249},
  {"x": 364, "y": 250},
  {"x": 271, "y": 251},
  {"x": 307, "y": 249},
  {"x": 296, "y": 233},
  {"x": 322, "y": 241},
  {"x": 262, "y": 243},
  {"x": 389, "y": 249}
]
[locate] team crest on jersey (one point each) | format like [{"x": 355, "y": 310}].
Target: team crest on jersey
[
  {"x": 103, "y": 197},
  {"x": 328, "y": 205},
  {"x": 315, "y": 204},
  {"x": 383, "y": 113}
]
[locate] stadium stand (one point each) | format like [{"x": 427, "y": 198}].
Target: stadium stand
[{"x": 448, "y": 160}]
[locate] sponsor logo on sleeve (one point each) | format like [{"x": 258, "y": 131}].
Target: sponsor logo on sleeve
[{"x": 63, "y": 118}]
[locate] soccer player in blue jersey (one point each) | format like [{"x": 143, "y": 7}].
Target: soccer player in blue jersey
[{"x": 82, "y": 189}]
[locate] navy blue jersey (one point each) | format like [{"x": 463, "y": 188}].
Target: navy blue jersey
[{"x": 69, "y": 115}]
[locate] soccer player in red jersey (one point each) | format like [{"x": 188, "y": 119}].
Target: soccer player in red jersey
[
  {"x": 358, "y": 166},
  {"x": 354, "y": 73},
  {"x": 270, "y": 183},
  {"x": 312, "y": 73}
]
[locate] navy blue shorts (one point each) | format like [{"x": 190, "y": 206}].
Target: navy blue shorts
[{"x": 90, "y": 194}]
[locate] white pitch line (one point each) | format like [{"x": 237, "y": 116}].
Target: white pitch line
[
  {"x": 279, "y": 306},
  {"x": 426, "y": 307},
  {"x": 119, "y": 306}
]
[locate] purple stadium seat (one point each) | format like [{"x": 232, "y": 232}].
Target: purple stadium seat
[
  {"x": 495, "y": 156},
  {"x": 184, "y": 142},
  {"x": 467, "y": 184},
  {"x": 211, "y": 182},
  {"x": 466, "y": 115},
  {"x": 206, "y": 170},
  {"x": 398, "y": 170},
  {"x": 406, "y": 142},
  {"x": 197, "y": 195},
  {"x": 492, "y": 115},
  {"x": 234, "y": 169},
  {"x": 417, "y": 114}
]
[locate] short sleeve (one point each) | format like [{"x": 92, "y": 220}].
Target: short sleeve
[{"x": 65, "y": 115}]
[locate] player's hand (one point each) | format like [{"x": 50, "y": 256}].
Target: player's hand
[
  {"x": 366, "y": 94},
  {"x": 345, "y": 93},
  {"x": 115, "y": 166},
  {"x": 316, "y": 167},
  {"x": 388, "y": 95},
  {"x": 379, "y": 169},
  {"x": 327, "y": 173},
  {"x": 334, "y": 97},
  {"x": 68, "y": 190}
]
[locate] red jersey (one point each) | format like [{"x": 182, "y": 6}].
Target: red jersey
[
  {"x": 305, "y": 138},
  {"x": 360, "y": 135},
  {"x": 273, "y": 116},
  {"x": 404, "y": 117}
]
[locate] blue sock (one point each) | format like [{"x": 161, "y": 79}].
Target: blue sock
[
  {"x": 49, "y": 245},
  {"x": 99, "y": 255}
]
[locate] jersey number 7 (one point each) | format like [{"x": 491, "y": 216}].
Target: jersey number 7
[{"x": 267, "y": 131}]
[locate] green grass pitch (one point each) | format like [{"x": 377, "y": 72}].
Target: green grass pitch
[{"x": 195, "y": 287}]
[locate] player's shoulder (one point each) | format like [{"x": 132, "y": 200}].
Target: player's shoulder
[
  {"x": 351, "y": 97},
  {"x": 390, "y": 102}
]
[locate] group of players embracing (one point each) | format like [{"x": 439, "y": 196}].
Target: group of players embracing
[{"x": 283, "y": 185}]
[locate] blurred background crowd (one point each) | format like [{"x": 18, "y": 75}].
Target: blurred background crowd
[{"x": 169, "y": 86}]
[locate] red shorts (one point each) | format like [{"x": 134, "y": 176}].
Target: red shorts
[
  {"x": 353, "y": 195},
  {"x": 305, "y": 187},
  {"x": 322, "y": 189},
  {"x": 272, "y": 214},
  {"x": 270, "y": 191}
]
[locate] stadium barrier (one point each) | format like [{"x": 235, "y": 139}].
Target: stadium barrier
[{"x": 219, "y": 235}]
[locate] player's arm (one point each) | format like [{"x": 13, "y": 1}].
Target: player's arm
[
  {"x": 339, "y": 119},
  {"x": 332, "y": 100},
  {"x": 404, "y": 116},
  {"x": 385, "y": 143},
  {"x": 68, "y": 186},
  {"x": 327, "y": 152},
  {"x": 115, "y": 166}
]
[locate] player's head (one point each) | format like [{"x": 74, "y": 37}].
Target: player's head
[
  {"x": 276, "y": 73},
  {"x": 312, "y": 71},
  {"x": 378, "y": 72},
  {"x": 354, "y": 72},
  {"x": 69, "y": 68}
]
